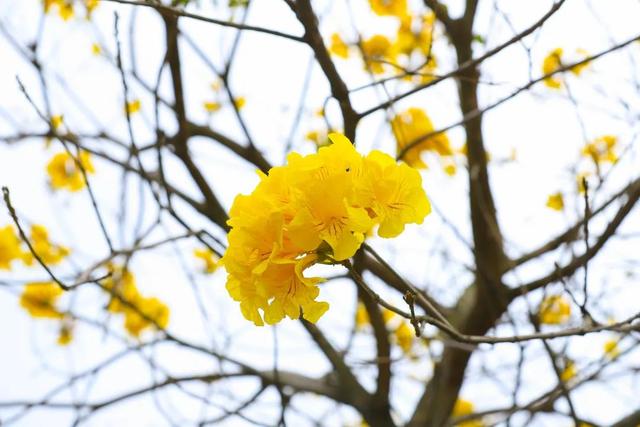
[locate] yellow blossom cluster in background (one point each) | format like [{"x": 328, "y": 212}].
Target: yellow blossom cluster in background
[
  {"x": 409, "y": 51},
  {"x": 209, "y": 259},
  {"x": 65, "y": 171},
  {"x": 555, "y": 201},
  {"x": 602, "y": 149},
  {"x": 413, "y": 124},
  {"x": 66, "y": 8},
  {"x": 554, "y": 61},
  {"x": 554, "y": 310},
  {"x": 611, "y": 349},
  {"x": 40, "y": 299},
  {"x": 140, "y": 312},
  {"x": 11, "y": 248},
  {"x": 463, "y": 408},
  {"x": 218, "y": 100},
  {"x": 315, "y": 209}
]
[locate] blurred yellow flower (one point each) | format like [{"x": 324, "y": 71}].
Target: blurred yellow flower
[
  {"x": 553, "y": 61},
  {"x": 377, "y": 51},
  {"x": 140, "y": 313},
  {"x": 57, "y": 121},
  {"x": 209, "y": 258},
  {"x": 554, "y": 310},
  {"x": 569, "y": 371},
  {"x": 240, "y": 102},
  {"x": 49, "y": 253},
  {"x": 338, "y": 47},
  {"x": 462, "y": 408},
  {"x": 555, "y": 201},
  {"x": 397, "y": 8},
  {"x": 211, "y": 106},
  {"x": 602, "y": 149},
  {"x": 65, "y": 335},
  {"x": 411, "y": 125},
  {"x": 39, "y": 299},
  {"x": 132, "y": 107},
  {"x": 9, "y": 247},
  {"x": 64, "y": 172},
  {"x": 611, "y": 349}
]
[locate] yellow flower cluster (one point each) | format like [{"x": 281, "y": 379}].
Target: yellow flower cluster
[
  {"x": 11, "y": 248},
  {"x": 410, "y": 50},
  {"x": 462, "y": 408},
  {"x": 219, "y": 100},
  {"x": 315, "y": 209},
  {"x": 140, "y": 313},
  {"x": 569, "y": 371},
  {"x": 555, "y": 201},
  {"x": 554, "y": 310},
  {"x": 50, "y": 253},
  {"x": 553, "y": 61},
  {"x": 39, "y": 299},
  {"x": 611, "y": 349},
  {"x": 66, "y": 7},
  {"x": 209, "y": 258},
  {"x": 602, "y": 149},
  {"x": 412, "y": 124},
  {"x": 65, "y": 173},
  {"x": 397, "y": 8}
]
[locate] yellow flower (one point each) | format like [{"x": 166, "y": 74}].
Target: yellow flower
[
  {"x": 554, "y": 310},
  {"x": 464, "y": 407},
  {"x": 318, "y": 137},
  {"x": 315, "y": 209},
  {"x": 377, "y": 50},
  {"x": 96, "y": 49},
  {"x": 338, "y": 47},
  {"x": 240, "y": 102},
  {"x": 209, "y": 258},
  {"x": 211, "y": 106},
  {"x": 551, "y": 63},
  {"x": 65, "y": 335},
  {"x": 555, "y": 201},
  {"x": 580, "y": 181},
  {"x": 409, "y": 41},
  {"x": 64, "y": 172},
  {"x": 65, "y": 10},
  {"x": 395, "y": 195},
  {"x": 611, "y": 349},
  {"x": 39, "y": 299},
  {"x": 132, "y": 107},
  {"x": 602, "y": 149},
  {"x": 151, "y": 312},
  {"x": 412, "y": 124},
  {"x": 404, "y": 336},
  {"x": 140, "y": 313},
  {"x": 569, "y": 371},
  {"x": 49, "y": 253},
  {"x": 90, "y": 5},
  {"x": 362, "y": 317},
  {"x": 122, "y": 285},
  {"x": 56, "y": 121},
  {"x": 9, "y": 247},
  {"x": 397, "y": 8}
]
